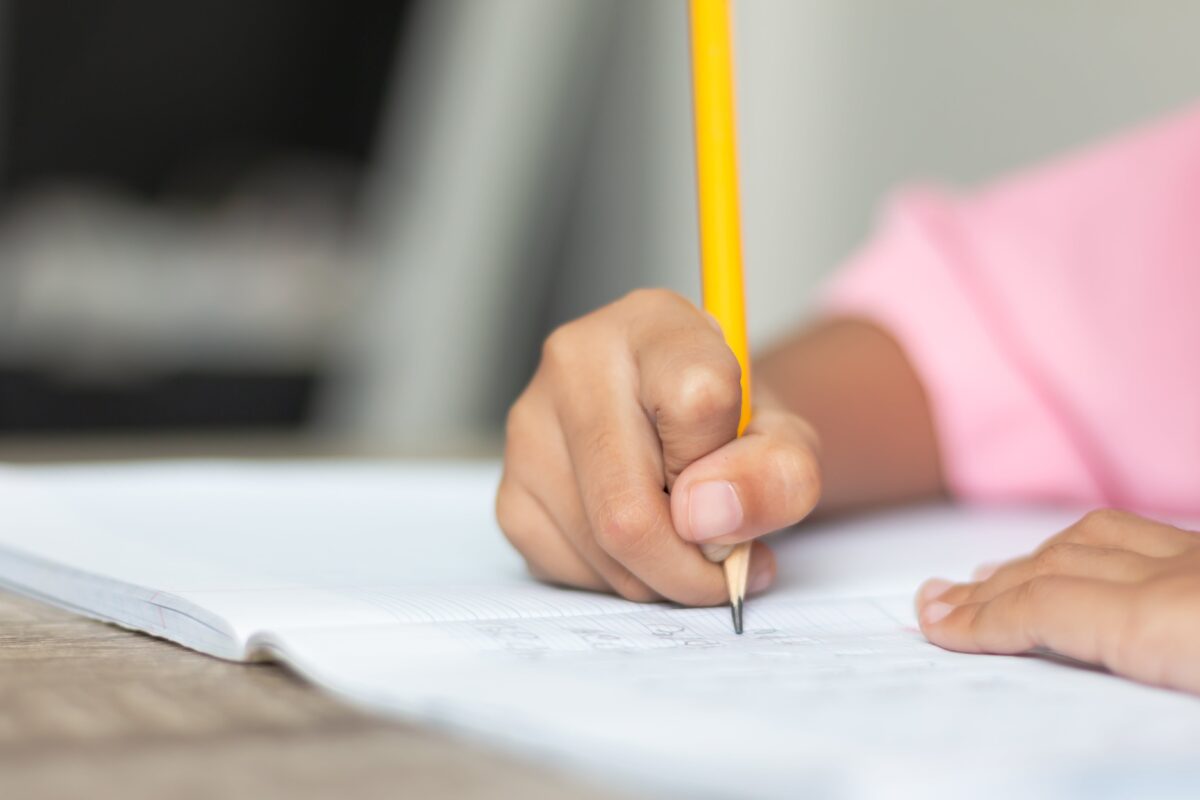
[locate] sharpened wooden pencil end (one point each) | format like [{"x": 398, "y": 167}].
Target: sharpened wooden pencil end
[{"x": 737, "y": 567}]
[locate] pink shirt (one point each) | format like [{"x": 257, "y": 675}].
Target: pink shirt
[{"x": 1054, "y": 319}]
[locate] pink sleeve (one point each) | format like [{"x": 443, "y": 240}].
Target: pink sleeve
[{"x": 1053, "y": 321}]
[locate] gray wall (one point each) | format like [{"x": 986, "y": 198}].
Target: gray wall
[{"x": 840, "y": 101}]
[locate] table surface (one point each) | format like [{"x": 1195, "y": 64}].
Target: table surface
[{"x": 91, "y": 710}]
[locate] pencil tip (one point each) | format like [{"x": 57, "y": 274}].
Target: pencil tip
[{"x": 736, "y": 608}]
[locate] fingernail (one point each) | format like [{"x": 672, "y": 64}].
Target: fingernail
[
  {"x": 760, "y": 579},
  {"x": 713, "y": 510},
  {"x": 934, "y": 587},
  {"x": 935, "y": 613},
  {"x": 985, "y": 571}
]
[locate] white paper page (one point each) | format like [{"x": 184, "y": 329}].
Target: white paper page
[
  {"x": 264, "y": 545},
  {"x": 351, "y": 570},
  {"x": 834, "y": 697}
]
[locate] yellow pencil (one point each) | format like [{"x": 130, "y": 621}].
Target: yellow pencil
[{"x": 720, "y": 224}]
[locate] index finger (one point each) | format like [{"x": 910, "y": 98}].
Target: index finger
[{"x": 615, "y": 454}]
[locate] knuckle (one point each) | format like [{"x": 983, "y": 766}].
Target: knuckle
[
  {"x": 520, "y": 418},
  {"x": 706, "y": 389},
  {"x": 622, "y": 527},
  {"x": 652, "y": 297},
  {"x": 1100, "y": 521},
  {"x": 1054, "y": 557},
  {"x": 1018, "y": 614},
  {"x": 559, "y": 346}
]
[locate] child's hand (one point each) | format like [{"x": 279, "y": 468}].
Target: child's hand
[
  {"x": 1113, "y": 589},
  {"x": 641, "y": 396}
]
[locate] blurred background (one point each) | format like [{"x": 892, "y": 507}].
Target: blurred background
[{"x": 259, "y": 221}]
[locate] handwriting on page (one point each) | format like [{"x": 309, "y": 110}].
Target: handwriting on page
[{"x": 535, "y": 625}]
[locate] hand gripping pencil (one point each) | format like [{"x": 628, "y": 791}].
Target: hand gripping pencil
[{"x": 720, "y": 225}]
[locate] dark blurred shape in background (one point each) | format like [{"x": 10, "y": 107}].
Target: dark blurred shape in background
[
  {"x": 357, "y": 221},
  {"x": 147, "y": 145}
]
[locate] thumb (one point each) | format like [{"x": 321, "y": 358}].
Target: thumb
[{"x": 766, "y": 480}]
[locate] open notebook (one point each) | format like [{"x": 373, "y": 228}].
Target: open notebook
[{"x": 390, "y": 585}]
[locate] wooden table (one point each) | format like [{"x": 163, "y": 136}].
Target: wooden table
[{"x": 88, "y": 710}]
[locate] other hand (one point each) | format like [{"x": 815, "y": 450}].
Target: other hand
[{"x": 1114, "y": 589}]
